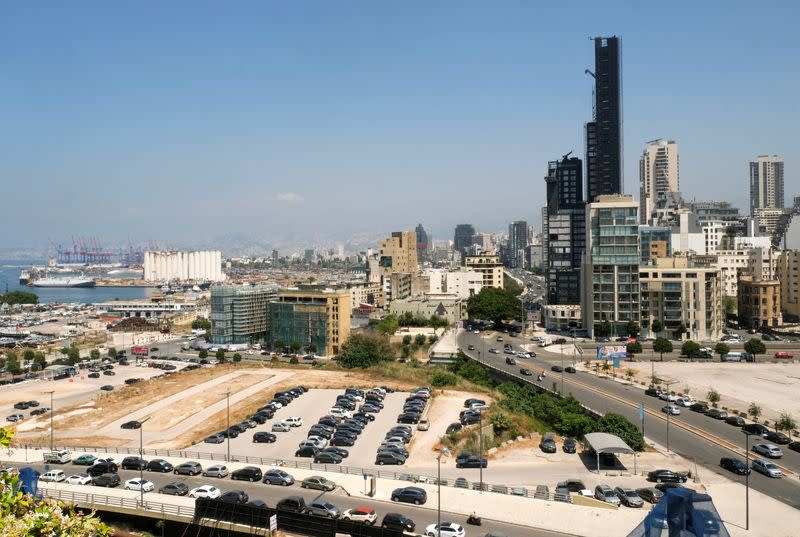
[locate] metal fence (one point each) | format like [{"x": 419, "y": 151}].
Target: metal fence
[{"x": 84, "y": 498}]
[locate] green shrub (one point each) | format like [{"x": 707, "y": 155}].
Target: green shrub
[{"x": 443, "y": 378}]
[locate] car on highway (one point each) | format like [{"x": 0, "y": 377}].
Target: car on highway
[
  {"x": 215, "y": 439},
  {"x": 767, "y": 468},
  {"x": 548, "y": 445},
  {"x": 525, "y": 371},
  {"x": 414, "y": 495},
  {"x": 139, "y": 484},
  {"x": 777, "y": 437},
  {"x": 133, "y": 463},
  {"x": 628, "y": 497},
  {"x": 570, "y": 369},
  {"x": 470, "y": 347},
  {"x": 604, "y": 493},
  {"x": 666, "y": 476},
  {"x": 84, "y": 460},
  {"x": 755, "y": 429},
  {"x": 494, "y": 351},
  {"x": 106, "y": 480},
  {"x": 205, "y": 491},
  {"x": 510, "y": 360},
  {"x": 278, "y": 477},
  {"x": 672, "y": 410},
  {"x": 365, "y": 515},
  {"x": 732, "y": 464},
  {"x": 218, "y": 470},
  {"x": 472, "y": 461},
  {"x": 768, "y": 450},
  {"x": 784, "y": 354},
  {"x": 650, "y": 494},
  {"x": 318, "y": 483},
  {"x": 398, "y": 521},
  {"x": 557, "y": 368},
  {"x": 79, "y": 479},
  {"x": 323, "y": 508},
  {"x": 175, "y": 488},
  {"x": 445, "y": 529},
  {"x": 189, "y": 468}
]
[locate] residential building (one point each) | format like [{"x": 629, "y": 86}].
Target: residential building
[
  {"x": 563, "y": 231},
  {"x": 447, "y": 306},
  {"x": 788, "y": 273},
  {"x": 658, "y": 172},
  {"x": 461, "y": 283},
  {"x": 677, "y": 292},
  {"x": 731, "y": 263},
  {"x": 759, "y": 303},
  {"x": 654, "y": 242},
  {"x": 769, "y": 219},
  {"x": 201, "y": 266},
  {"x": 309, "y": 255},
  {"x": 311, "y": 315},
  {"x": 517, "y": 241},
  {"x": 462, "y": 239},
  {"x": 397, "y": 285},
  {"x": 687, "y": 235},
  {"x": 489, "y": 266},
  {"x": 604, "y": 132},
  {"x": 766, "y": 183},
  {"x": 398, "y": 254},
  {"x": 274, "y": 258},
  {"x": 611, "y": 264},
  {"x": 561, "y": 316},
  {"x": 715, "y": 211},
  {"x": 240, "y": 313},
  {"x": 484, "y": 242},
  {"x": 364, "y": 293}
]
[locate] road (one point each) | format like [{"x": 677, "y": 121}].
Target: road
[
  {"x": 271, "y": 494},
  {"x": 604, "y": 395}
]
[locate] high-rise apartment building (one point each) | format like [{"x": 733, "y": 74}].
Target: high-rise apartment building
[
  {"x": 311, "y": 315},
  {"x": 274, "y": 258},
  {"x": 604, "y": 133},
  {"x": 398, "y": 255},
  {"x": 422, "y": 244},
  {"x": 563, "y": 231},
  {"x": 517, "y": 241},
  {"x": 240, "y": 313},
  {"x": 611, "y": 264},
  {"x": 766, "y": 183},
  {"x": 463, "y": 239},
  {"x": 658, "y": 172},
  {"x": 788, "y": 273},
  {"x": 489, "y": 266}
]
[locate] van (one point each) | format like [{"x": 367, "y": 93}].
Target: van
[
  {"x": 57, "y": 457},
  {"x": 732, "y": 357},
  {"x": 545, "y": 341},
  {"x": 53, "y": 476}
]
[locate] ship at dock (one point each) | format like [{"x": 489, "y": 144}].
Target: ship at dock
[{"x": 68, "y": 281}]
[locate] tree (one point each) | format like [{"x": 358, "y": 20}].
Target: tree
[
  {"x": 94, "y": 354},
  {"x": 73, "y": 355},
  {"x": 203, "y": 354},
  {"x": 621, "y": 426},
  {"x": 500, "y": 422},
  {"x": 365, "y": 350},
  {"x": 419, "y": 339},
  {"x": 785, "y": 422},
  {"x": 633, "y": 349},
  {"x": 656, "y": 327},
  {"x": 12, "y": 363},
  {"x": 220, "y": 355},
  {"x": 493, "y": 304},
  {"x": 389, "y": 324},
  {"x": 237, "y": 357},
  {"x": 19, "y": 297},
  {"x": 39, "y": 361},
  {"x": 28, "y": 355},
  {"x": 662, "y": 346},
  {"x": 443, "y": 378},
  {"x": 730, "y": 307},
  {"x": 407, "y": 339},
  {"x": 629, "y": 373},
  {"x": 295, "y": 346},
  {"x": 632, "y": 329},
  {"x": 511, "y": 286},
  {"x": 680, "y": 330},
  {"x": 690, "y": 348},
  {"x": 755, "y": 346},
  {"x": 432, "y": 339},
  {"x": 713, "y": 397},
  {"x": 604, "y": 329},
  {"x": 112, "y": 352},
  {"x": 311, "y": 348},
  {"x": 754, "y": 411},
  {"x": 201, "y": 324},
  {"x": 279, "y": 345},
  {"x": 722, "y": 348}
]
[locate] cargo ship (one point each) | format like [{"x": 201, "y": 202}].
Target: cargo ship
[
  {"x": 69, "y": 281},
  {"x": 24, "y": 277}
]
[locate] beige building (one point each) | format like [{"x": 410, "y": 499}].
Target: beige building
[
  {"x": 399, "y": 286},
  {"x": 364, "y": 293},
  {"x": 398, "y": 254},
  {"x": 658, "y": 174},
  {"x": 450, "y": 307},
  {"x": 311, "y": 315},
  {"x": 463, "y": 283},
  {"x": 675, "y": 291},
  {"x": 759, "y": 302},
  {"x": 756, "y": 262},
  {"x": 489, "y": 266},
  {"x": 788, "y": 273},
  {"x": 561, "y": 316}
]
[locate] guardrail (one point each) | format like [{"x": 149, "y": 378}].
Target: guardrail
[
  {"x": 528, "y": 492},
  {"x": 117, "y": 501}
]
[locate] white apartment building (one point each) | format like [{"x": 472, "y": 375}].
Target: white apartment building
[
  {"x": 757, "y": 262},
  {"x": 462, "y": 283},
  {"x": 183, "y": 266},
  {"x": 687, "y": 235},
  {"x": 766, "y": 183},
  {"x": 713, "y": 233},
  {"x": 658, "y": 173}
]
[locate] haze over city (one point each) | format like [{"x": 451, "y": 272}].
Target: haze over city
[{"x": 188, "y": 122}]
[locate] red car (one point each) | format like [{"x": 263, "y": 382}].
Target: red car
[{"x": 784, "y": 354}]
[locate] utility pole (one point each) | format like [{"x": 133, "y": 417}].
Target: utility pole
[
  {"x": 51, "y": 418},
  {"x": 747, "y": 482},
  {"x": 227, "y": 395},
  {"x": 439, "y": 490},
  {"x": 480, "y": 443},
  {"x": 141, "y": 461}
]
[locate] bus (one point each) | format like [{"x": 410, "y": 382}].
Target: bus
[{"x": 732, "y": 357}]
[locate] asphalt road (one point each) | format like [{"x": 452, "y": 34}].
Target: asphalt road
[
  {"x": 689, "y": 445},
  {"x": 271, "y": 494}
]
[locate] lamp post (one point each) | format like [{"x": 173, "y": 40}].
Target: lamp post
[
  {"x": 480, "y": 448},
  {"x": 669, "y": 408},
  {"x": 141, "y": 461},
  {"x": 51, "y": 418},
  {"x": 747, "y": 481},
  {"x": 562, "y": 369},
  {"x": 227, "y": 395},
  {"x": 439, "y": 490}
]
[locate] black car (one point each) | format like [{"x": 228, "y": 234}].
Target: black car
[
  {"x": 22, "y": 405},
  {"x": 263, "y": 437},
  {"x": 363, "y": 416},
  {"x": 258, "y": 418},
  {"x": 548, "y": 445},
  {"x": 133, "y": 463},
  {"x": 159, "y": 465},
  {"x": 473, "y": 461},
  {"x": 359, "y": 425},
  {"x": 525, "y": 371},
  {"x": 650, "y": 494},
  {"x": 349, "y": 404},
  {"x": 756, "y": 429},
  {"x": 294, "y": 504},
  {"x": 414, "y": 495},
  {"x": 389, "y": 457},
  {"x": 734, "y": 465},
  {"x": 652, "y": 392},
  {"x": 738, "y": 421},
  {"x": 470, "y": 418},
  {"x": 717, "y": 414},
  {"x": 340, "y": 440},
  {"x": 107, "y": 388},
  {"x": 306, "y": 451},
  {"x": 327, "y": 457},
  {"x": 569, "y": 369},
  {"x": 347, "y": 428},
  {"x": 329, "y": 421},
  {"x": 510, "y": 360},
  {"x": 666, "y": 476},
  {"x": 106, "y": 480},
  {"x": 248, "y": 473},
  {"x": 93, "y": 375},
  {"x": 101, "y": 468},
  {"x": 572, "y": 485},
  {"x": 794, "y": 446},
  {"x": 397, "y": 521},
  {"x": 777, "y": 437},
  {"x": 453, "y": 428},
  {"x": 702, "y": 408},
  {"x": 176, "y": 488},
  {"x": 557, "y": 368},
  {"x": 408, "y": 417},
  {"x": 109, "y": 373},
  {"x": 133, "y": 424},
  {"x": 322, "y": 433},
  {"x": 234, "y": 496},
  {"x": 341, "y": 452},
  {"x": 569, "y": 445},
  {"x": 664, "y": 487}
]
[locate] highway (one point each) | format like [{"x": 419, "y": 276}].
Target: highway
[
  {"x": 706, "y": 443},
  {"x": 271, "y": 494}
]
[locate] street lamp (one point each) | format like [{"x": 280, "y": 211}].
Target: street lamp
[
  {"x": 141, "y": 461},
  {"x": 480, "y": 447},
  {"x": 227, "y": 395},
  {"x": 439, "y": 490},
  {"x": 747, "y": 481},
  {"x": 51, "y": 418},
  {"x": 669, "y": 410},
  {"x": 562, "y": 369}
]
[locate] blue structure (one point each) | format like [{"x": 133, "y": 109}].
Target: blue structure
[
  {"x": 682, "y": 512},
  {"x": 28, "y": 480}
]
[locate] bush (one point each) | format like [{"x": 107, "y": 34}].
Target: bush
[
  {"x": 621, "y": 426},
  {"x": 365, "y": 350},
  {"x": 293, "y": 360},
  {"x": 419, "y": 339},
  {"x": 407, "y": 340},
  {"x": 443, "y": 378},
  {"x": 237, "y": 357}
]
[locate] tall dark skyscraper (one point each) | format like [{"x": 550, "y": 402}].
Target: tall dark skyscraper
[
  {"x": 564, "y": 231},
  {"x": 422, "y": 244},
  {"x": 464, "y": 236},
  {"x": 604, "y": 133},
  {"x": 517, "y": 241}
]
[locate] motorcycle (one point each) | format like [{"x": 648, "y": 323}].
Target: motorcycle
[{"x": 474, "y": 520}]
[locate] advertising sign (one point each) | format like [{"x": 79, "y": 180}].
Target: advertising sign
[{"x": 609, "y": 352}]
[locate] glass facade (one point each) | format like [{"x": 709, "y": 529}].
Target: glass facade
[{"x": 239, "y": 313}]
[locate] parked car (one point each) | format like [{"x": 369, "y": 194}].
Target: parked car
[
  {"x": 672, "y": 410},
  {"x": 133, "y": 424},
  {"x": 794, "y": 446},
  {"x": 548, "y": 445},
  {"x": 628, "y": 497},
  {"x": 717, "y": 414},
  {"x": 318, "y": 483},
  {"x": 307, "y": 451},
  {"x": 159, "y": 465},
  {"x": 294, "y": 421},
  {"x": 101, "y": 468},
  {"x": 445, "y": 529},
  {"x": 398, "y": 521},
  {"x": 218, "y": 470},
  {"x": 278, "y": 477},
  {"x": 323, "y": 508},
  {"x": 175, "y": 488},
  {"x": 650, "y": 494},
  {"x": 53, "y": 476},
  {"x": 14, "y": 418},
  {"x": 234, "y": 496},
  {"x": 215, "y": 439},
  {"x": 573, "y": 485},
  {"x": 106, "y": 480},
  {"x": 205, "y": 491},
  {"x": 294, "y": 504},
  {"x": 473, "y": 461},
  {"x": 604, "y": 493},
  {"x": 264, "y": 437},
  {"x": 133, "y": 463},
  {"x": 738, "y": 421},
  {"x": 768, "y": 450},
  {"x": 365, "y": 515},
  {"x": 767, "y": 468},
  {"x": 389, "y": 457},
  {"x": 327, "y": 457},
  {"x": 569, "y": 445},
  {"x": 84, "y": 460},
  {"x": 666, "y": 476},
  {"x": 755, "y": 429},
  {"x": 281, "y": 427},
  {"x": 699, "y": 407},
  {"x": 423, "y": 425},
  {"x": 777, "y": 437},
  {"x": 732, "y": 464},
  {"x": 79, "y": 479},
  {"x": 414, "y": 495},
  {"x": 139, "y": 484},
  {"x": 784, "y": 354}
]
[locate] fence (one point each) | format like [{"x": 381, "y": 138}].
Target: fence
[{"x": 117, "y": 501}]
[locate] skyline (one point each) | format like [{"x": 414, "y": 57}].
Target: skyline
[{"x": 182, "y": 125}]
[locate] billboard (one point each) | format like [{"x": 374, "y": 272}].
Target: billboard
[
  {"x": 610, "y": 352},
  {"x": 140, "y": 350}
]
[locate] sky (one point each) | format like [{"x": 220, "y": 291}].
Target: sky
[{"x": 296, "y": 121}]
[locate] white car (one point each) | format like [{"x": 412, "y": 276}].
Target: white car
[
  {"x": 494, "y": 351},
  {"x": 79, "y": 479},
  {"x": 294, "y": 421},
  {"x": 319, "y": 441},
  {"x": 685, "y": 402},
  {"x": 672, "y": 410},
  {"x": 768, "y": 450},
  {"x": 139, "y": 484},
  {"x": 205, "y": 491},
  {"x": 365, "y": 515},
  {"x": 280, "y": 427},
  {"x": 666, "y": 396},
  {"x": 446, "y": 529},
  {"x": 53, "y": 476},
  {"x": 423, "y": 425}
]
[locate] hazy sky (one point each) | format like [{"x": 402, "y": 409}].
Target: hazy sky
[{"x": 303, "y": 119}]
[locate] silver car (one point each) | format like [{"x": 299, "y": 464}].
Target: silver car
[
  {"x": 281, "y": 427},
  {"x": 768, "y": 450},
  {"x": 628, "y": 497},
  {"x": 767, "y": 468},
  {"x": 218, "y": 470},
  {"x": 323, "y": 508},
  {"x": 606, "y": 494}
]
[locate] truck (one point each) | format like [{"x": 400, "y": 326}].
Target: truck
[
  {"x": 61, "y": 456},
  {"x": 545, "y": 341}
]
